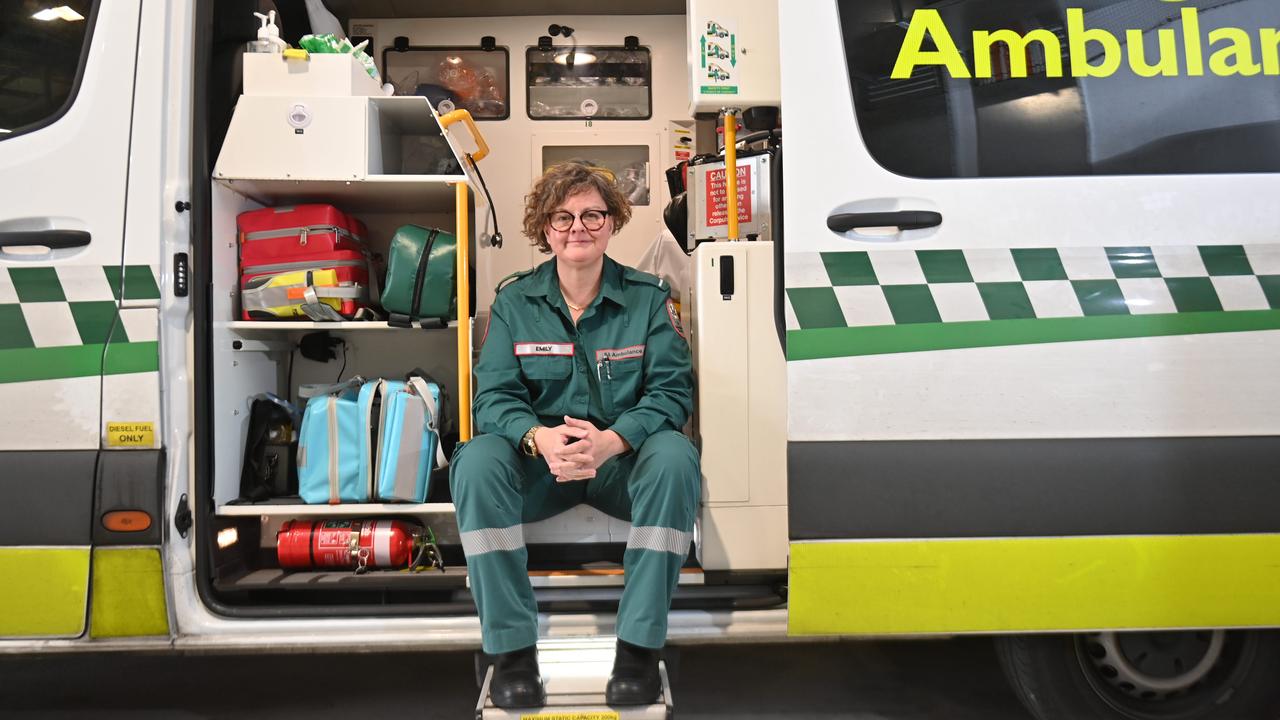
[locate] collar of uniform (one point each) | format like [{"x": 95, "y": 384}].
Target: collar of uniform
[{"x": 546, "y": 281}]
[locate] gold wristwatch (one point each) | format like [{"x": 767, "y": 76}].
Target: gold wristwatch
[{"x": 527, "y": 445}]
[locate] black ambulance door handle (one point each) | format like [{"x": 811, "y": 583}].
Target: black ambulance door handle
[
  {"x": 903, "y": 220},
  {"x": 52, "y": 239}
]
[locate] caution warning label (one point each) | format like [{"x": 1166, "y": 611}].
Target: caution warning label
[
  {"x": 718, "y": 196},
  {"x": 131, "y": 434}
]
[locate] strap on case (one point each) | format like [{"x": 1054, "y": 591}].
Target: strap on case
[{"x": 433, "y": 414}]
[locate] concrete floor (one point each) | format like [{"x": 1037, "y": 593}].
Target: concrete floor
[{"x": 955, "y": 680}]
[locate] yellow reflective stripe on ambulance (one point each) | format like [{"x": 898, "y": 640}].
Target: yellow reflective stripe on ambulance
[
  {"x": 128, "y": 593},
  {"x": 45, "y": 591},
  {"x": 957, "y": 585}
]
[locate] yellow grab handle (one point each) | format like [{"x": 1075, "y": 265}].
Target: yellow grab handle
[{"x": 482, "y": 148}]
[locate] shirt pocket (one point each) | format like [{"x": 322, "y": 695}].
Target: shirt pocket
[
  {"x": 620, "y": 386},
  {"x": 547, "y": 377},
  {"x": 546, "y": 367}
]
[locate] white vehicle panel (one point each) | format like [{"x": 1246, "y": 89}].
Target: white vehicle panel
[
  {"x": 1136, "y": 387},
  {"x": 1215, "y": 384}
]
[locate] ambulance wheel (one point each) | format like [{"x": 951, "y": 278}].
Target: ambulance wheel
[{"x": 1188, "y": 675}]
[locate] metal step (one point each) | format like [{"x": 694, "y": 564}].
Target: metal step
[{"x": 574, "y": 672}]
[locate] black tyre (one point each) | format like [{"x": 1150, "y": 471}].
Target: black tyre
[{"x": 1186, "y": 675}]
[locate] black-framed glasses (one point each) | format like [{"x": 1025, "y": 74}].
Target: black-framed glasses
[{"x": 592, "y": 220}]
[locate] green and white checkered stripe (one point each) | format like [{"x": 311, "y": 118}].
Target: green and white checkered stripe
[
  {"x": 54, "y": 321},
  {"x": 880, "y": 301}
]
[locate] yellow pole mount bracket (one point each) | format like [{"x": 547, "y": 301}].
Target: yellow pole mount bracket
[
  {"x": 463, "y": 230},
  {"x": 731, "y": 168}
]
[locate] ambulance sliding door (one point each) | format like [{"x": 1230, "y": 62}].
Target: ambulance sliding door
[
  {"x": 66, "y": 93},
  {"x": 1034, "y": 310}
]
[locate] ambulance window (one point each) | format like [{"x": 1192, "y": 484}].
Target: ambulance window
[
  {"x": 1004, "y": 125},
  {"x": 43, "y": 47},
  {"x": 589, "y": 82},
  {"x": 628, "y": 163},
  {"x": 471, "y": 78}
]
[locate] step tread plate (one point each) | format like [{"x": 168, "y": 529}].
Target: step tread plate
[{"x": 575, "y": 690}]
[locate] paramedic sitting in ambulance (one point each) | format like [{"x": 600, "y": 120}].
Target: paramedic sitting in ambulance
[{"x": 583, "y": 383}]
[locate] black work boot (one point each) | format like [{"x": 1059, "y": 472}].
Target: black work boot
[
  {"x": 516, "y": 681},
  {"x": 635, "y": 679}
]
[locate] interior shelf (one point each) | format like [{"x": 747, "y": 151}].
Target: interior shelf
[
  {"x": 373, "y": 193},
  {"x": 290, "y": 506},
  {"x": 256, "y": 326}
]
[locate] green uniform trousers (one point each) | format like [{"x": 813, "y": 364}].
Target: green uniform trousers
[{"x": 496, "y": 490}]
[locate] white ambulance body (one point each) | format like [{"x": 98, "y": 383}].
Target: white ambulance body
[{"x": 1028, "y": 386}]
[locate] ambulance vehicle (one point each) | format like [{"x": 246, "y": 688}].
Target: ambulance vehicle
[{"x": 982, "y": 356}]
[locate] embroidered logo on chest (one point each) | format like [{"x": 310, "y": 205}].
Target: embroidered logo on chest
[
  {"x": 533, "y": 348},
  {"x": 635, "y": 352}
]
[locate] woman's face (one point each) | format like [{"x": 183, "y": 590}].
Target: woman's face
[{"x": 578, "y": 240}]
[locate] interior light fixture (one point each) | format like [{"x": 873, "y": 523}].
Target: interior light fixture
[
  {"x": 2, "y": 130},
  {"x": 579, "y": 58},
  {"x": 453, "y": 60},
  {"x": 228, "y": 537},
  {"x": 62, "y": 12}
]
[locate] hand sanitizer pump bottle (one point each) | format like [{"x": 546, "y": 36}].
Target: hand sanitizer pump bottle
[{"x": 268, "y": 35}]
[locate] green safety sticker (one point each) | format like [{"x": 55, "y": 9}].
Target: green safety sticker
[
  {"x": 56, "y": 322},
  {"x": 719, "y": 89},
  {"x": 842, "y": 304}
]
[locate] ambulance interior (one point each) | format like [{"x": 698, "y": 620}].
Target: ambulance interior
[{"x": 615, "y": 93}]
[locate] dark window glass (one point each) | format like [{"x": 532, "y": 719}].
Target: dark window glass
[
  {"x": 42, "y": 49},
  {"x": 470, "y": 78},
  {"x": 935, "y": 126}
]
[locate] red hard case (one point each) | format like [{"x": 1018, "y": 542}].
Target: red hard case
[{"x": 317, "y": 236}]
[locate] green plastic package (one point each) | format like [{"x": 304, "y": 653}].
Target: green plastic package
[
  {"x": 329, "y": 45},
  {"x": 421, "y": 276}
]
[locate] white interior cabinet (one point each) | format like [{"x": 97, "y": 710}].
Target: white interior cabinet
[{"x": 349, "y": 152}]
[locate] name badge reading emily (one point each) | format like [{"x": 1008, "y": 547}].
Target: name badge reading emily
[{"x": 524, "y": 349}]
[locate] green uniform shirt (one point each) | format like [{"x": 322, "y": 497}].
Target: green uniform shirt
[{"x": 625, "y": 366}]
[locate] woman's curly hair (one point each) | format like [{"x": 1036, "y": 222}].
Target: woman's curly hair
[{"x": 562, "y": 182}]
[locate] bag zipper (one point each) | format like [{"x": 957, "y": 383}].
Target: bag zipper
[{"x": 302, "y": 233}]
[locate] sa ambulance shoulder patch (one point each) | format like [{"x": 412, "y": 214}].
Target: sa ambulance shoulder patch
[{"x": 673, "y": 314}]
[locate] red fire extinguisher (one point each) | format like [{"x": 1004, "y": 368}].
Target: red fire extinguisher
[{"x": 358, "y": 544}]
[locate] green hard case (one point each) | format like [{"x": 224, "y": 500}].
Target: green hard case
[{"x": 421, "y": 284}]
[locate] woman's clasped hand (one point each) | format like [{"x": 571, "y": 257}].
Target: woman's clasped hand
[{"x": 575, "y": 450}]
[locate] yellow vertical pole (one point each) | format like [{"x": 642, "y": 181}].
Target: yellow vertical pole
[
  {"x": 464, "y": 311},
  {"x": 731, "y": 169}
]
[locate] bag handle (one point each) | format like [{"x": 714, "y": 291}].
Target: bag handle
[
  {"x": 311, "y": 391},
  {"x": 444, "y": 422},
  {"x": 420, "y": 386}
]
